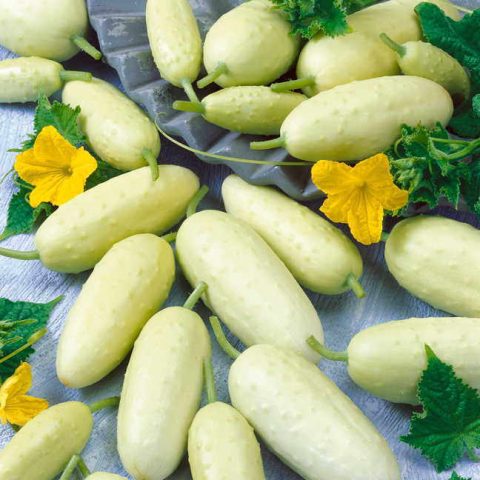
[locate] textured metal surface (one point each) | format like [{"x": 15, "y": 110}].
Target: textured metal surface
[{"x": 342, "y": 316}]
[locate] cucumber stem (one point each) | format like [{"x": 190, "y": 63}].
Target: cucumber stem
[
  {"x": 209, "y": 380},
  {"x": 194, "y": 107},
  {"x": 84, "y": 470},
  {"x": 220, "y": 69},
  {"x": 355, "y": 286},
  {"x": 222, "y": 340},
  {"x": 31, "y": 341},
  {"x": 70, "y": 75},
  {"x": 195, "y": 296},
  {"x": 170, "y": 237},
  {"x": 400, "y": 49},
  {"x": 70, "y": 468},
  {"x": 188, "y": 88},
  {"x": 268, "y": 144},
  {"x": 110, "y": 402},
  {"x": 325, "y": 352},
  {"x": 84, "y": 45},
  {"x": 384, "y": 236},
  {"x": 289, "y": 85},
  {"x": 464, "y": 9},
  {"x": 18, "y": 255},
  {"x": 149, "y": 157},
  {"x": 195, "y": 201}
]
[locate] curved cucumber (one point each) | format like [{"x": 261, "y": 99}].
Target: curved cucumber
[
  {"x": 306, "y": 420},
  {"x": 104, "y": 476},
  {"x": 161, "y": 393},
  {"x": 77, "y": 235},
  {"x": 175, "y": 40},
  {"x": 253, "y": 42},
  {"x": 116, "y": 128},
  {"x": 388, "y": 359},
  {"x": 128, "y": 285},
  {"x": 437, "y": 260},
  {"x": 249, "y": 287},
  {"x": 42, "y": 448},
  {"x": 318, "y": 254},
  {"x": 221, "y": 444}
]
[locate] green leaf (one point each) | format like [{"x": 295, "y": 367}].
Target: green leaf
[
  {"x": 103, "y": 173},
  {"x": 449, "y": 426},
  {"x": 471, "y": 187},
  {"x": 476, "y": 105},
  {"x": 10, "y": 328},
  {"x": 455, "y": 476}
]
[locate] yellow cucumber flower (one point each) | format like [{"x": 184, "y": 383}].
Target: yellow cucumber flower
[
  {"x": 55, "y": 167},
  {"x": 359, "y": 195},
  {"x": 16, "y": 407}
]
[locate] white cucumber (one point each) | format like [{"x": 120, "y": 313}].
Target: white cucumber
[
  {"x": 175, "y": 40},
  {"x": 222, "y": 445},
  {"x": 306, "y": 420},
  {"x": 43, "y": 447},
  {"x": 128, "y": 285},
  {"x": 104, "y": 476},
  {"x": 161, "y": 393},
  {"x": 354, "y": 121},
  {"x": 437, "y": 260},
  {"x": 77, "y": 235},
  {"x": 117, "y": 129},
  {"x": 317, "y": 253},
  {"x": 249, "y": 287},
  {"x": 249, "y": 45}
]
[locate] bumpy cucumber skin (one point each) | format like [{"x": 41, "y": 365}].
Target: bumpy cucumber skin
[
  {"x": 42, "y": 448},
  {"x": 126, "y": 288},
  {"x": 437, "y": 260},
  {"x": 254, "y": 41},
  {"x": 427, "y": 61},
  {"x": 116, "y": 128},
  {"x": 222, "y": 445},
  {"x": 174, "y": 39},
  {"x": 360, "y": 119},
  {"x": 317, "y": 253},
  {"x": 252, "y": 110},
  {"x": 306, "y": 420},
  {"x": 42, "y": 29},
  {"x": 388, "y": 359},
  {"x": 249, "y": 287},
  {"x": 104, "y": 476},
  {"x": 25, "y": 79},
  {"x": 161, "y": 393},
  {"x": 77, "y": 235}
]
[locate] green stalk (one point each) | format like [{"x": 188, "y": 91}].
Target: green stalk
[
  {"x": 195, "y": 201},
  {"x": 464, "y": 9},
  {"x": 355, "y": 286},
  {"x": 149, "y": 157},
  {"x": 84, "y": 45},
  {"x": 70, "y": 468},
  {"x": 195, "y": 296},
  {"x": 400, "y": 49},
  {"x": 385, "y": 236},
  {"x": 268, "y": 144},
  {"x": 194, "y": 107},
  {"x": 70, "y": 75},
  {"x": 170, "y": 237},
  {"x": 31, "y": 341},
  {"x": 188, "y": 88},
  {"x": 83, "y": 468},
  {"x": 325, "y": 352},
  {"x": 209, "y": 381},
  {"x": 289, "y": 85},
  {"x": 18, "y": 255},
  {"x": 220, "y": 69},
  {"x": 222, "y": 340},
  {"x": 111, "y": 402}
]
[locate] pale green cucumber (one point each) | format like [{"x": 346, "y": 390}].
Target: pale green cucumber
[
  {"x": 306, "y": 420},
  {"x": 437, "y": 260},
  {"x": 104, "y": 476},
  {"x": 117, "y": 129},
  {"x": 317, "y": 253},
  {"x": 161, "y": 393},
  {"x": 43, "y": 447},
  {"x": 127, "y": 286},
  {"x": 249, "y": 287}
]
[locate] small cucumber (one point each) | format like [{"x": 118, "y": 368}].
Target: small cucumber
[
  {"x": 53, "y": 29},
  {"x": 222, "y": 445},
  {"x": 117, "y": 129},
  {"x": 161, "y": 393},
  {"x": 104, "y": 476},
  {"x": 249, "y": 287},
  {"x": 306, "y": 420},
  {"x": 318, "y": 254},
  {"x": 128, "y": 285},
  {"x": 251, "y": 110},
  {"x": 249, "y": 45},
  {"x": 354, "y": 121},
  {"x": 437, "y": 260},
  {"x": 25, "y": 79},
  {"x": 42, "y": 448}
]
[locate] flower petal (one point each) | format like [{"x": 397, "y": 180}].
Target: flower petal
[
  {"x": 336, "y": 208},
  {"x": 365, "y": 218},
  {"x": 23, "y": 408},
  {"x": 333, "y": 177},
  {"x": 18, "y": 384},
  {"x": 46, "y": 190}
]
